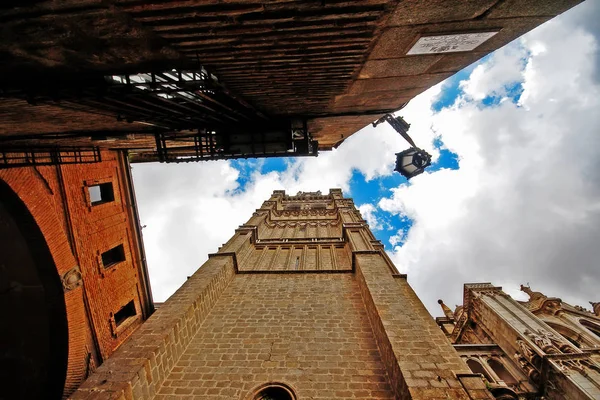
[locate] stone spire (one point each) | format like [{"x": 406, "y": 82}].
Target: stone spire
[
  {"x": 596, "y": 307},
  {"x": 447, "y": 311}
]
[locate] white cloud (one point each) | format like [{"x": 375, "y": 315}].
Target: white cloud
[
  {"x": 399, "y": 238},
  {"x": 493, "y": 77},
  {"x": 368, "y": 213},
  {"x": 524, "y": 205}
]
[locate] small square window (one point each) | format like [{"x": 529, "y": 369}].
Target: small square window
[
  {"x": 113, "y": 256},
  {"x": 127, "y": 311},
  {"x": 102, "y": 193}
]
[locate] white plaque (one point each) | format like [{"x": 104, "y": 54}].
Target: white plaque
[{"x": 449, "y": 43}]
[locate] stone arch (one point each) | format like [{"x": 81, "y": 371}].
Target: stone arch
[
  {"x": 477, "y": 368},
  {"x": 37, "y": 198},
  {"x": 502, "y": 393},
  {"x": 575, "y": 338},
  {"x": 501, "y": 371},
  {"x": 34, "y": 340},
  {"x": 272, "y": 391}
]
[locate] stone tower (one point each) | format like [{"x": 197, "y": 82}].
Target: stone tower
[
  {"x": 540, "y": 348},
  {"x": 301, "y": 303}
]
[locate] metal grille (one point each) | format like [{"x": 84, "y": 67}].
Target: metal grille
[{"x": 36, "y": 157}]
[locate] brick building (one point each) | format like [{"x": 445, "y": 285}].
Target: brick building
[
  {"x": 73, "y": 280},
  {"x": 302, "y": 302},
  {"x": 540, "y": 348}
]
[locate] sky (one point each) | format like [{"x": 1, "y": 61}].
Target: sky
[{"x": 513, "y": 195}]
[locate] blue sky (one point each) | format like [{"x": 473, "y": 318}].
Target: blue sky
[{"x": 512, "y": 196}]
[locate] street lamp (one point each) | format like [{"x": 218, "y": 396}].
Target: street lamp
[{"x": 410, "y": 162}]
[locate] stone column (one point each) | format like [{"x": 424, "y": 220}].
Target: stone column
[{"x": 421, "y": 362}]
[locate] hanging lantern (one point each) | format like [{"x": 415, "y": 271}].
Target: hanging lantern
[{"x": 412, "y": 162}]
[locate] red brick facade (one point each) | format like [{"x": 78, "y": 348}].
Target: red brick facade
[{"x": 77, "y": 233}]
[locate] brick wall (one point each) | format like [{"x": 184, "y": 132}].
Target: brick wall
[
  {"x": 139, "y": 367},
  {"x": 76, "y": 234},
  {"x": 97, "y": 229},
  {"x": 420, "y": 361},
  {"x": 251, "y": 316}
]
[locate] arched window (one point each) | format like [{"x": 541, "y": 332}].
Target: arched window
[
  {"x": 573, "y": 337},
  {"x": 34, "y": 340},
  {"x": 592, "y": 327},
  {"x": 477, "y": 368},
  {"x": 504, "y": 394},
  {"x": 274, "y": 391},
  {"x": 501, "y": 371}
]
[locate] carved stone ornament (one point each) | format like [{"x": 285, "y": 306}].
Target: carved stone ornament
[
  {"x": 552, "y": 306},
  {"x": 525, "y": 351},
  {"x": 549, "y": 342},
  {"x": 72, "y": 279},
  {"x": 459, "y": 326},
  {"x": 524, "y": 358},
  {"x": 582, "y": 309},
  {"x": 575, "y": 364},
  {"x": 596, "y": 307}
]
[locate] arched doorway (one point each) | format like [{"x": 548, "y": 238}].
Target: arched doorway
[
  {"x": 273, "y": 391},
  {"x": 33, "y": 331},
  {"x": 575, "y": 338}
]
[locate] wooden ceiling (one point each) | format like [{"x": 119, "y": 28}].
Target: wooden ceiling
[{"x": 339, "y": 64}]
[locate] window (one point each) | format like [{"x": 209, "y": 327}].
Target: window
[
  {"x": 100, "y": 194},
  {"x": 477, "y": 368},
  {"x": 595, "y": 329},
  {"x": 502, "y": 372},
  {"x": 113, "y": 256},
  {"x": 127, "y": 311}
]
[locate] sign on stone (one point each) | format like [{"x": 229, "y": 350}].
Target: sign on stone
[{"x": 449, "y": 43}]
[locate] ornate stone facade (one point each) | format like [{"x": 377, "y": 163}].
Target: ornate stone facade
[{"x": 541, "y": 348}]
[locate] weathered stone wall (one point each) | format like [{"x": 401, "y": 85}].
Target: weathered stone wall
[
  {"x": 309, "y": 331},
  {"x": 355, "y": 331},
  {"x": 420, "y": 361},
  {"x": 138, "y": 369}
]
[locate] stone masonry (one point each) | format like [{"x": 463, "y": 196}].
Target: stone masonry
[{"x": 302, "y": 297}]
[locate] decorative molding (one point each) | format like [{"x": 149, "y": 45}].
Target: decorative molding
[
  {"x": 307, "y": 241},
  {"x": 529, "y": 361},
  {"x": 485, "y": 288},
  {"x": 305, "y": 213},
  {"x": 458, "y": 327},
  {"x": 549, "y": 342},
  {"x": 72, "y": 279}
]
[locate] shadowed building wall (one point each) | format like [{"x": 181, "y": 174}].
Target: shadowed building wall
[
  {"x": 234, "y": 78},
  {"x": 73, "y": 283}
]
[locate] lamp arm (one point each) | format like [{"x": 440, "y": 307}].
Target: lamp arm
[{"x": 397, "y": 127}]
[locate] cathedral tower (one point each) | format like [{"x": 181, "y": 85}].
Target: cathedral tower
[{"x": 301, "y": 303}]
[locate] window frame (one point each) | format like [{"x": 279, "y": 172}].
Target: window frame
[{"x": 118, "y": 249}]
